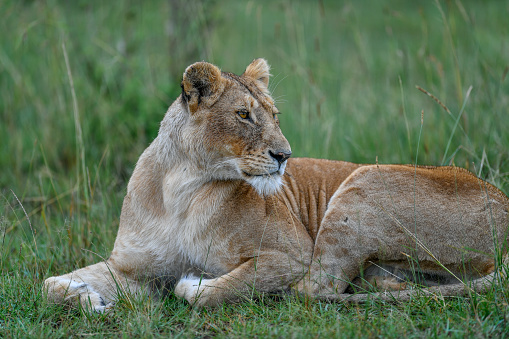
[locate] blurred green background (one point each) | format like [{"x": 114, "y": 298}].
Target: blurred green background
[{"x": 344, "y": 76}]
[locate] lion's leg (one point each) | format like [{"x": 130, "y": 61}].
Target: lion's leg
[
  {"x": 380, "y": 283},
  {"x": 266, "y": 273},
  {"x": 94, "y": 287},
  {"x": 480, "y": 285},
  {"x": 339, "y": 255},
  {"x": 342, "y": 246}
]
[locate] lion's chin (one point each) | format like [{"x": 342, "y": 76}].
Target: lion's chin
[{"x": 267, "y": 184}]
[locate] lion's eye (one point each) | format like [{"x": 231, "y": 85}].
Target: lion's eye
[{"x": 243, "y": 114}]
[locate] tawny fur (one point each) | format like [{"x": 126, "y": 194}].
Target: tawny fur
[{"x": 215, "y": 211}]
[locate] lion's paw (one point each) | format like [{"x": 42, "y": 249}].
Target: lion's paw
[
  {"x": 60, "y": 290},
  {"x": 312, "y": 288},
  {"x": 193, "y": 289}
]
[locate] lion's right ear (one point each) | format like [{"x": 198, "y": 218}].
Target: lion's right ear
[{"x": 202, "y": 84}]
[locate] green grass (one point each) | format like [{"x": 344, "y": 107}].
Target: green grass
[{"x": 345, "y": 77}]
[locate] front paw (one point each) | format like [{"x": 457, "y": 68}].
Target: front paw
[
  {"x": 193, "y": 289},
  {"x": 61, "y": 290}
]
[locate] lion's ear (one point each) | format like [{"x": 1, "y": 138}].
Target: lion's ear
[
  {"x": 259, "y": 70},
  {"x": 202, "y": 84}
]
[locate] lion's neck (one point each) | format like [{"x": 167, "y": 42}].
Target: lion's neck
[
  {"x": 168, "y": 183},
  {"x": 169, "y": 142}
]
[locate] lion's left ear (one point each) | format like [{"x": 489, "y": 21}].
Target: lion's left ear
[{"x": 259, "y": 70}]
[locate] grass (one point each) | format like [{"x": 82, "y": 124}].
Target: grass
[{"x": 345, "y": 77}]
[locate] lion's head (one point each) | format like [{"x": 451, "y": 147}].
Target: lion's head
[{"x": 229, "y": 125}]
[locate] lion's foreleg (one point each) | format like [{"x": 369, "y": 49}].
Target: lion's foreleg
[
  {"x": 95, "y": 287},
  {"x": 258, "y": 275}
]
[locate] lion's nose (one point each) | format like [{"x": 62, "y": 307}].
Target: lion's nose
[{"x": 280, "y": 156}]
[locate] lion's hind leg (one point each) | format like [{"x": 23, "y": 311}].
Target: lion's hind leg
[
  {"x": 379, "y": 277},
  {"x": 480, "y": 285},
  {"x": 94, "y": 287}
]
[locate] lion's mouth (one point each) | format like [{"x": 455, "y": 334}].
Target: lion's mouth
[{"x": 266, "y": 175}]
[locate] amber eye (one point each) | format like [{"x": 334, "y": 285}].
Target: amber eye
[{"x": 243, "y": 114}]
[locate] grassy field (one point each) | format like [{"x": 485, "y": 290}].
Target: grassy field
[{"x": 345, "y": 76}]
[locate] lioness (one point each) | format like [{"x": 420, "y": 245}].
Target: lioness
[{"x": 216, "y": 209}]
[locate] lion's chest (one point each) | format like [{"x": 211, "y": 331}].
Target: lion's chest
[{"x": 189, "y": 234}]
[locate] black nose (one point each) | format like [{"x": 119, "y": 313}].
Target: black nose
[{"x": 280, "y": 156}]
